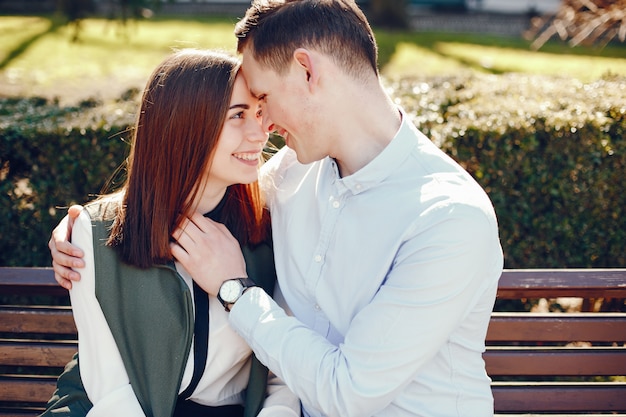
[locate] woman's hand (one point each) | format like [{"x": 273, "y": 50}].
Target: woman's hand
[{"x": 208, "y": 251}]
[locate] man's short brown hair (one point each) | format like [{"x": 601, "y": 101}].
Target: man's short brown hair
[{"x": 274, "y": 29}]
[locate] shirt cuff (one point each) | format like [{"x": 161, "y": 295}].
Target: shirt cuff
[
  {"x": 249, "y": 309},
  {"x": 278, "y": 411},
  {"x": 122, "y": 402}
]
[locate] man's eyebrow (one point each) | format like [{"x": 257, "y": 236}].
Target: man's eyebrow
[{"x": 239, "y": 106}]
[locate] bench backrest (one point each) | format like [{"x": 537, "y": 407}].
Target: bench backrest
[
  {"x": 540, "y": 362},
  {"x": 559, "y": 362}
]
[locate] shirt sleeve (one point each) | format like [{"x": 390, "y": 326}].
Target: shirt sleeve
[
  {"x": 101, "y": 368},
  {"x": 280, "y": 401},
  {"x": 403, "y": 327}
]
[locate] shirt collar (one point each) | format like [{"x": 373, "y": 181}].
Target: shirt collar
[{"x": 383, "y": 165}]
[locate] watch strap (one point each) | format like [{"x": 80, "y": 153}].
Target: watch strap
[{"x": 247, "y": 283}]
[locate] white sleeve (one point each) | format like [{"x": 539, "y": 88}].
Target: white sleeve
[
  {"x": 379, "y": 355},
  {"x": 280, "y": 401},
  {"x": 101, "y": 368}
]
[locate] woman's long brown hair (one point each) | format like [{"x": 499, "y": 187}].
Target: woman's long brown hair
[{"x": 182, "y": 112}]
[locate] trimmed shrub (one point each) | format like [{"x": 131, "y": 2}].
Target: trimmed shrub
[
  {"x": 551, "y": 154},
  {"x": 52, "y": 156}
]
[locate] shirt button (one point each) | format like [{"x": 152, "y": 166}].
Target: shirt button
[
  {"x": 318, "y": 258},
  {"x": 336, "y": 204},
  {"x": 317, "y": 307}
]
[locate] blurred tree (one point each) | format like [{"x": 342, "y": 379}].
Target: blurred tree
[
  {"x": 582, "y": 22},
  {"x": 75, "y": 11},
  {"x": 124, "y": 11},
  {"x": 120, "y": 11},
  {"x": 389, "y": 13}
]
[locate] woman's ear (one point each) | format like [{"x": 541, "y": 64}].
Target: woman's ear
[{"x": 309, "y": 65}]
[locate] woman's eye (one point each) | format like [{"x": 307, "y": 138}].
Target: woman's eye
[
  {"x": 238, "y": 115},
  {"x": 259, "y": 112}
]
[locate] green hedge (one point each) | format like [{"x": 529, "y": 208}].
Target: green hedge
[
  {"x": 550, "y": 152},
  {"x": 52, "y": 156}
]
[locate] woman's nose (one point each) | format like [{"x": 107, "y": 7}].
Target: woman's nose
[{"x": 257, "y": 132}]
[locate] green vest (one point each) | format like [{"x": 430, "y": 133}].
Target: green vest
[{"x": 150, "y": 314}]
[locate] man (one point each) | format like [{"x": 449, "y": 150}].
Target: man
[{"x": 387, "y": 251}]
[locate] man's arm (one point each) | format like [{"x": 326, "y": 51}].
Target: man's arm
[
  {"x": 392, "y": 339},
  {"x": 280, "y": 401},
  {"x": 66, "y": 256}
]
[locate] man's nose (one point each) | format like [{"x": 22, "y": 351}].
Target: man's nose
[{"x": 268, "y": 124}]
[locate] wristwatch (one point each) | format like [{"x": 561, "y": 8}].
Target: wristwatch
[{"x": 232, "y": 289}]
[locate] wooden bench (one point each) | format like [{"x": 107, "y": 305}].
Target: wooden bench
[
  {"x": 536, "y": 365},
  {"x": 559, "y": 362}
]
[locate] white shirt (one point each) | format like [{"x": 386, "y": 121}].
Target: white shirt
[
  {"x": 391, "y": 274},
  {"x": 103, "y": 373}
]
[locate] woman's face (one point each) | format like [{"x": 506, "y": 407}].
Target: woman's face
[{"x": 237, "y": 155}]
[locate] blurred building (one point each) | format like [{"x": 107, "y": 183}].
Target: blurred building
[
  {"x": 236, "y": 6},
  {"x": 514, "y": 6}
]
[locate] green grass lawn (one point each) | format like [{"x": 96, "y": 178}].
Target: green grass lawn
[
  {"x": 37, "y": 56},
  {"x": 41, "y": 57}
]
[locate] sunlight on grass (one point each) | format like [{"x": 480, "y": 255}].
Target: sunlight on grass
[
  {"x": 105, "y": 51},
  {"x": 15, "y": 29},
  {"x": 500, "y": 60},
  {"x": 410, "y": 60},
  {"x": 37, "y": 56},
  {"x": 141, "y": 44},
  {"x": 15, "y": 32},
  {"x": 429, "y": 53}
]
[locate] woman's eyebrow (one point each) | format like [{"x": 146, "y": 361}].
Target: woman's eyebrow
[{"x": 239, "y": 106}]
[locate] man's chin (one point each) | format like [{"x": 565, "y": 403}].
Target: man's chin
[{"x": 304, "y": 160}]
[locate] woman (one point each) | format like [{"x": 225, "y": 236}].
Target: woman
[{"x": 197, "y": 146}]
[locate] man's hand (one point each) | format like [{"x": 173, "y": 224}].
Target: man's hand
[
  {"x": 66, "y": 256},
  {"x": 208, "y": 251}
]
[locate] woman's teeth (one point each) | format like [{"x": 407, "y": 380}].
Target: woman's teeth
[{"x": 247, "y": 156}]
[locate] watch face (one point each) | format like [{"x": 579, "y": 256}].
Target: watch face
[{"x": 230, "y": 291}]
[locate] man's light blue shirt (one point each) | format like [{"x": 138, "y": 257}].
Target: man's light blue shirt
[{"x": 390, "y": 275}]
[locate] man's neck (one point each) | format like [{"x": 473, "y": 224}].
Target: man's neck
[{"x": 372, "y": 130}]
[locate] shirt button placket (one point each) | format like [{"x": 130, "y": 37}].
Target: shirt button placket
[{"x": 334, "y": 203}]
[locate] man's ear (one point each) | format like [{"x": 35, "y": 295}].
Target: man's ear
[{"x": 308, "y": 63}]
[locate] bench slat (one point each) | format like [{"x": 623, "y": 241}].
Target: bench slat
[
  {"x": 33, "y": 413},
  {"x": 29, "y": 319},
  {"x": 35, "y": 390},
  {"x": 552, "y": 283},
  {"x": 557, "y": 327},
  {"x": 546, "y": 397},
  {"x": 524, "y": 398},
  {"x": 47, "y": 354},
  {"x": 21, "y": 280},
  {"x": 577, "y": 361}
]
